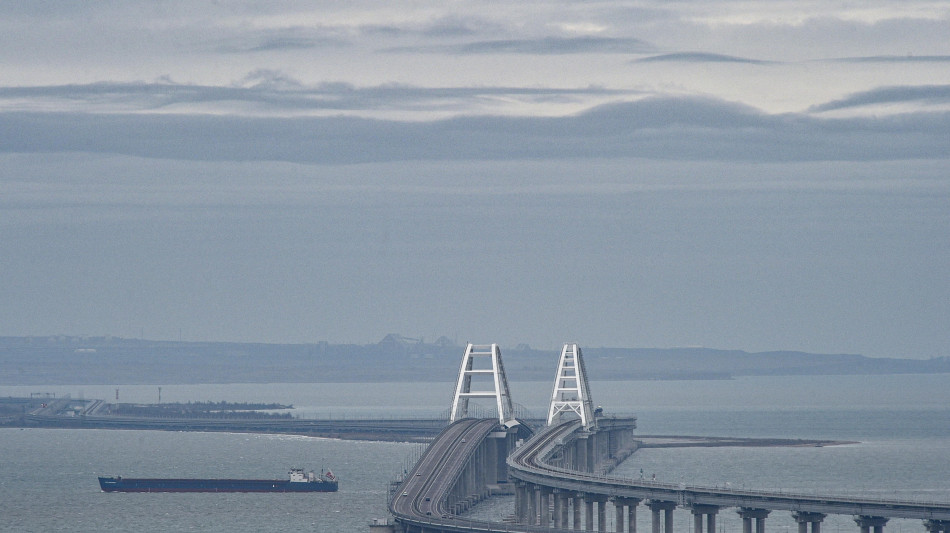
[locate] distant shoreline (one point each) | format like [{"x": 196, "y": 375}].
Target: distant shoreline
[
  {"x": 61, "y": 360},
  {"x": 420, "y": 379},
  {"x": 688, "y": 441}
]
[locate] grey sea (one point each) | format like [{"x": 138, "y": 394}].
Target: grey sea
[{"x": 901, "y": 424}]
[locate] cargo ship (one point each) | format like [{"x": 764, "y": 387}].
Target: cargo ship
[{"x": 298, "y": 482}]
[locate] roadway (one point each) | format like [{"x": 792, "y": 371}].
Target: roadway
[
  {"x": 420, "y": 502},
  {"x": 527, "y": 464},
  {"x": 423, "y": 494}
]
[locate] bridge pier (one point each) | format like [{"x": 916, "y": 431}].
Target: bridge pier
[
  {"x": 748, "y": 513},
  {"x": 578, "y": 503},
  {"x": 632, "y": 515},
  {"x": 592, "y": 449},
  {"x": 522, "y": 501},
  {"x": 804, "y": 518},
  {"x": 629, "y": 514},
  {"x": 667, "y": 508},
  {"x": 601, "y": 513},
  {"x": 532, "y": 518},
  {"x": 565, "y": 509},
  {"x": 603, "y": 451},
  {"x": 614, "y": 440},
  {"x": 561, "y": 508},
  {"x": 581, "y": 446},
  {"x": 589, "y": 512},
  {"x": 518, "y": 501},
  {"x": 501, "y": 443},
  {"x": 707, "y": 511},
  {"x": 868, "y": 522},
  {"x": 619, "y": 515},
  {"x": 937, "y": 526},
  {"x": 544, "y": 500}
]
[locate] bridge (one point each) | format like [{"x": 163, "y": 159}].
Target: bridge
[{"x": 559, "y": 474}]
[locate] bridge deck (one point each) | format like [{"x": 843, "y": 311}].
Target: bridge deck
[
  {"x": 527, "y": 464},
  {"x": 421, "y": 497}
]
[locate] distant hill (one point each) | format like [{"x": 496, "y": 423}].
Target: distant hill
[{"x": 106, "y": 360}]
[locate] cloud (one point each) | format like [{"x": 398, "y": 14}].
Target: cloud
[
  {"x": 654, "y": 128},
  {"x": 924, "y": 94},
  {"x": 293, "y": 38},
  {"x": 275, "y": 90},
  {"x": 448, "y": 26},
  {"x": 894, "y": 59},
  {"x": 540, "y": 46},
  {"x": 698, "y": 57}
]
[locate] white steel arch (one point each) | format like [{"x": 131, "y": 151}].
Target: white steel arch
[
  {"x": 464, "y": 392},
  {"x": 571, "y": 390}
]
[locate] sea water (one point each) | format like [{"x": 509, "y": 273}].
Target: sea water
[{"x": 901, "y": 424}]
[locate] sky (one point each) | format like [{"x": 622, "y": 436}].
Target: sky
[{"x": 738, "y": 175}]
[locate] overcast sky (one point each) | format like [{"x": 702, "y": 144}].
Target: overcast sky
[{"x": 749, "y": 175}]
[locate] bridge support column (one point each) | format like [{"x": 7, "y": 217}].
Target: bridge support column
[
  {"x": 632, "y": 515},
  {"x": 472, "y": 473},
  {"x": 868, "y": 522},
  {"x": 602, "y": 514},
  {"x": 747, "y": 514},
  {"x": 592, "y": 455},
  {"x": 588, "y": 512},
  {"x": 578, "y": 502},
  {"x": 614, "y": 439},
  {"x": 490, "y": 457},
  {"x": 519, "y": 501},
  {"x": 937, "y": 526},
  {"x": 581, "y": 445},
  {"x": 545, "y": 506},
  {"x": 803, "y": 518},
  {"x": 565, "y": 510},
  {"x": 629, "y": 514},
  {"x": 667, "y": 508},
  {"x": 482, "y": 468},
  {"x": 618, "y": 515},
  {"x": 709, "y": 511},
  {"x": 531, "y": 517},
  {"x": 560, "y": 509},
  {"x": 510, "y": 443}
]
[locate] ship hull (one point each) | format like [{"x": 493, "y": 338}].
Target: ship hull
[{"x": 121, "y": 484}]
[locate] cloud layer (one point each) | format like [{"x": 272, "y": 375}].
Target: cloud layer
[
  {"x": 926, "y": 95},
  {"x": 653, "y": 128},
  {"x": 265, "y": 91}
]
